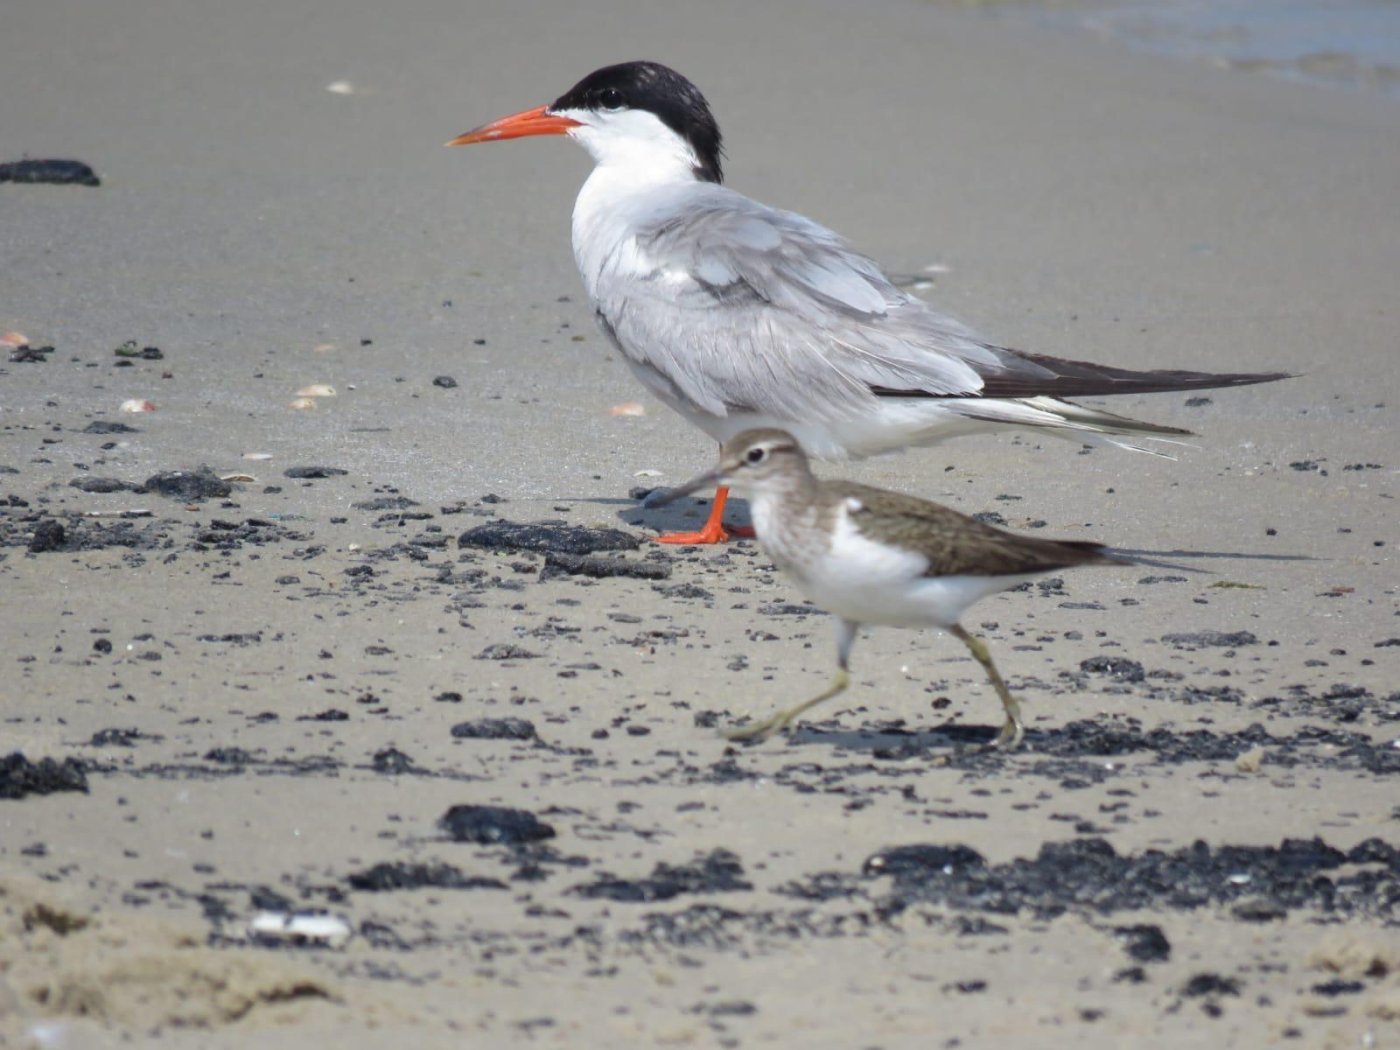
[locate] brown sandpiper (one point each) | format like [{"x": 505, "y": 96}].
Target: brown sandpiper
[{"x": 871, "y": 556}]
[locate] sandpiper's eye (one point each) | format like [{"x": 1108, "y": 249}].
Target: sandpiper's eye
[
  {"x": 611, "y": 99},
  {"x": 756, "y": 455}
]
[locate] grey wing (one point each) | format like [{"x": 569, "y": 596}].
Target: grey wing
[
  {"x": 743, "y": 307},
  {"x": 736, "y": 306}
]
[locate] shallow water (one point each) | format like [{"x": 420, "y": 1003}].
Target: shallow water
[{"x": 1352, "y": 43}]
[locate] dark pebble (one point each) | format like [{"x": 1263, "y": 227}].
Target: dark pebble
[
  {"x": 493, "y": 825},
  {"x": 198, "y": 484},
  {"x": 1210, "y": 639},
  {"x": 405, "y": 876},
  {"x": 313, "y": 472},
  {"x": 129, "y": 349},
  {"x": 31, "y": 355},
  {"x": 784, "y": 608},
  {"x": 717, "y": 872},
  {"x": 117, "y": 737},
  {"x": 386, "y": 503},
  {"x": 104, "y": 426},
  {"x": 684, "y": 590},
  {"x": 1259, "y": 911},
  {"x": 922, "y": 861},
  {"x": 49, "y": 535},
  {"x": 600, "y": 566},
  {"x": 20, "y": 777},
  {"x": 548, "y": 537},
  {"x": 228, "y": 756},
  {"x": 102, "y": 485},
  {"x": 56, "y": 172},
  {"x": 505, "y": 651},
  {"x": 1144, "y": 943},
  {"x": 446, "y": 382},
  {"x": 495, "y": 729},
  {"x": 1119, "y": 668},
  {"x": 391, "y": 760},
  {"x": 738, "y": 1008},
  {"x": 1211, "y": 984}
]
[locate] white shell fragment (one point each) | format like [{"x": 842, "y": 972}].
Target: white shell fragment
[
  {"x": 629, "y": 408},
  {"x": 646, "y": 473},
  {"x": 246, "y": 478},
  {"x": 136, "y": 404},
  {"x": 340, "y": 87},
  {"x": 302, "y": 403},
  {"x": 300, "y": 929},
  {"x": 257, "y": 455},
  {"x": 316, "y": 390}
]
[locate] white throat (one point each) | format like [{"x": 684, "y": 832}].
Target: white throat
[{"x": 633, "y": 153}]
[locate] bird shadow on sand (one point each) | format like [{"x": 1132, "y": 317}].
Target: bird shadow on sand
[
  {"x": 951, "y": 740},
  {"x": 683, "y": 515},
  {"x": 1156, "y": 559}
]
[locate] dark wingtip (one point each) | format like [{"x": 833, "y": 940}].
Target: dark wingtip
[{"x": 1059, "y": 377}]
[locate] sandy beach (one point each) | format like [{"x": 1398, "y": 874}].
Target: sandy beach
[{"x": 341, "y": 693}]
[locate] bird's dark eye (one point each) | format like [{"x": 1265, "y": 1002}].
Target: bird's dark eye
[
  {"x": 611, "y": 98},
  {"x": 755, "y": 455}
]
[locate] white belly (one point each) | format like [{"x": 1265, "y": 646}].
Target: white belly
[
  {"x": 868, "y": 582},
  {"x": 891, "y": 425}
]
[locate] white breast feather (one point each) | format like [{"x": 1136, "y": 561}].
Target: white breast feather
[{"x": 866, "y": 581}]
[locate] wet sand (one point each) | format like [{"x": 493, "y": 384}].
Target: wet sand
[{"x": 265, "y": 702}]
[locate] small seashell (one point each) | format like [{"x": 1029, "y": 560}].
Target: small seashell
[
  {"x": 136, "y": 404},
  {"x": 646, "y": 474},
  {"x": 323, "y": 348},
  {"x": 1251, "y": 760},
  {"x": 302, "y": 402},
  {"x": 257, "y": 455},
  {"x": 316, "y": 390},
  {"x": 247, "y": 478},
  {"x": 14, "y": 339},
  {"x": 340, "y": 87},
  {"x": 629, "y": 408}
]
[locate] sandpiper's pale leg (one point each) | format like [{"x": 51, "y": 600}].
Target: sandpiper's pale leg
[
  {"x": 757, "y": 732},
  {"x": 1014, "y": 729}
]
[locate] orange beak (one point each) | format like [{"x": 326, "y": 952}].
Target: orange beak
[{"x": 516, "y": 126}]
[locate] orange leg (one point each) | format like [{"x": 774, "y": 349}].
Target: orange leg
[{"x": 713, "y": 530}]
